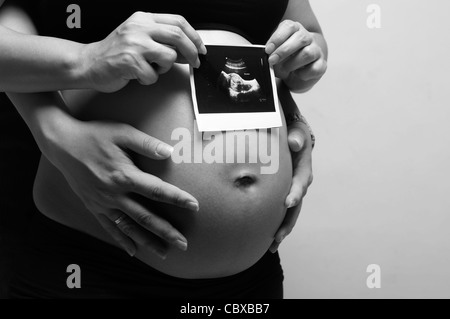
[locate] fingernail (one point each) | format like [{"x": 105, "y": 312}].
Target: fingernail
[
  {"x": 203, "y": 49},
  {"x": 197, "y": 63},
  {"x": 130, "y": 251},
  {"x": 161, "y": 254},
  {"x": 270, "y": 48},
  {"x": 291, "y": 203},
  {"x": 164, "y": 150},
  {"x": 274, "y": 250},
  {"x": 280, "y": 239},
  {"x": 274, "y": 59},
  {"x": 299, "y": 146},
  {"x": 181, "y": 244},
  {"x": 193, "y": 206}
]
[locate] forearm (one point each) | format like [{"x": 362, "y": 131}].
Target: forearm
[
  {"x": 294, "y": 82},
  {"x": 46, "y": 116},
  {"x": 31, "y": 63}
]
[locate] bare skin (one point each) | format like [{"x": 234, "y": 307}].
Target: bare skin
[
  {"x": 241, "y": 210},
  {"x": 93, "y": 168}
]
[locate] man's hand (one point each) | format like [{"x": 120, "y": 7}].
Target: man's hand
[
  {"x": 143, "y": 47},
  {"x": 93, "y": 158},
  {"x": 296, "y": 56}
]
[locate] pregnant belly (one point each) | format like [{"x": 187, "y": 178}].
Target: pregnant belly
[{"x": 240, "y": 208}]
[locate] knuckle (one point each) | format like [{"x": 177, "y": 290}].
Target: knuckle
[
  {"x": 138, "y": 15},
  {"x": 177, "y": 32},
  {"x": 122, "y": 179},
  {"x": 290, "y": 25},
  {"x": 171, "y": 56},
  {"x": 305, "y": 41},
  {"x": 146, "y": 220},
  {"x": 148, "y": 143},
  {"x": 156, "y": 192},
  {"x": 131, "y": 40},
  {"x": 128, "y": 27},
  {"x": 128, "y": 58},
  {"x": 282, "y": 51},
  {"x": 180, "y": 21},
  {"x": 127, "y": 228},
  {"x": 108, "y": 199},
  {"x": 307, "y": 37},
  {"x": 286, "y": 23},
  {"x": 309, "y": 53}
]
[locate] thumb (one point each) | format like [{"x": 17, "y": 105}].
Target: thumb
[
  {"x": 296, "y": 138},
  {"x": 144, "y": 144}
]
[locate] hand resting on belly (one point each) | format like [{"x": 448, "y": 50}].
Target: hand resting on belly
[{"x": 240, "y": 208}]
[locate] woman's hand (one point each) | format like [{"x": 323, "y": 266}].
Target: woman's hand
[
  {"x": 143, "y": 47},
  {"x": 93, "y": 157},
  {"x": 300, "y": 144},
  {"x": 296, "y": 55}
]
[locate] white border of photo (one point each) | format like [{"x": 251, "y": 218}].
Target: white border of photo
[{"x": 211, "y": 122}]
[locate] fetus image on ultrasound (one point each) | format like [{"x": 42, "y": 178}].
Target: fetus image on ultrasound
[{"x": 237, "y": 83}]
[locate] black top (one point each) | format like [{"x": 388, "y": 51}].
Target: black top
[{"x": 254, "y": 19}]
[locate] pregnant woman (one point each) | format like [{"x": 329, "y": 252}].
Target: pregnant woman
[{"x": 215, "y": 242}]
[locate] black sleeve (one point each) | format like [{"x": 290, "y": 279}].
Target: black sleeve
[{"x": 27, "y": 5}]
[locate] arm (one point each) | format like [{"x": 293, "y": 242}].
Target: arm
[
  {"x": 92, "y": 157},
  {"x": 31, "y": 63},
  {"x": 298, "y": 51},
  {"x": 143, "y": 47}
]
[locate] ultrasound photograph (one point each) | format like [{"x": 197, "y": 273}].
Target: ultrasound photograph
[{"x": 238, "y": 82}]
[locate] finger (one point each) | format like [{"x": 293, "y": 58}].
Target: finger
[
  {"x": 181, "y": 22},
  {"x": 301, "y": 180},
  {"x": 132, "y": 230},
  {"x": 155, "y": 224},
  {"x": 296, "y": 137},
  {"x": 175, "y": 36},
  {"x": 298, "y": 41},
  {"x": 161, "y": 57},
  {"x": 284, "y": 31},
  {"x": 302, "y": 58},
  {"x": 144, "y": 73},
  {"x": 123, "y": 240},
  {"x": 154, "y": 188},
  {"x": 143, "y": 144},
  {"x": 288, "y": 223},
  {"x": 313, "y": 71},
  {"x": 274, "y": 247}
]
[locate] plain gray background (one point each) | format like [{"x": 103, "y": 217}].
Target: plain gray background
[{"x": 381, "y": 192}]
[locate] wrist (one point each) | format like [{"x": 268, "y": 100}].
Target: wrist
[
  {"x": 50, "y": 127},
  {"x": 79, "y": 67}
]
